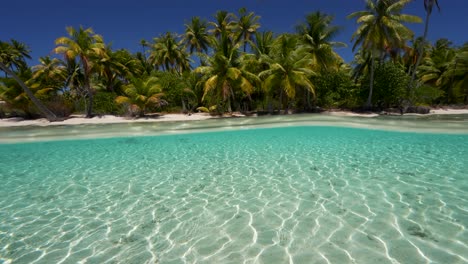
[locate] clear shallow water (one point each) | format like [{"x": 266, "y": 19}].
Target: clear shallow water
[
  {"x": 296, "y": 194},
  {"x": 447, "y": 124}
]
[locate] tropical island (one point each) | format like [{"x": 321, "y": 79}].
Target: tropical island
[
  {"x": 227, "y": 65},
  {"x": 379, "y": 176}
]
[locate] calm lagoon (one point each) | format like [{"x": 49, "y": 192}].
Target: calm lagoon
[{"x": 294, "y": 189}]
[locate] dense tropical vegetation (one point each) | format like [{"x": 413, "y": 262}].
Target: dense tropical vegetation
[{"x": 227, "y": 65}]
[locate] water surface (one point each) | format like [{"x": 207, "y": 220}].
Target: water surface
[{"x": 298, "y": 192}]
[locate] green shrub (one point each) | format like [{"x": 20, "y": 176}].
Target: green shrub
[
  {"x": 104, "y": 103},
  {"x": 427, "y": 95},
  {"x": 335, "y": 89},
  {"x": 60, "y": 106},
  {"x": 390, "y": 85}
]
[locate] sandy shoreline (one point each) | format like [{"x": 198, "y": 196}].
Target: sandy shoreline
[{"x": 109, "y": 119}]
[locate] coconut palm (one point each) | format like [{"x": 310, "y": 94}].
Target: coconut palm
[
  {"x": 13, "y": 55},
  {"x": 289, "y": 68},
  {"x": 450, "y": 70},
  {"x": 85, "y": 46},
  {"x": 115, "y": 68},
  {"x": 362, "y": 63},
  {"x": 141, "y": 95},
  {"x": 245, "y": 26},
  {"x": 50, "y": 74},
  {"x": 458, "y": 72},
  {"x": 317, "y": 35},
  {"x": 168, "y": 53},
  {"x": 142, "y": 65},
  {"x": 196, "y": 36},
  {"x": 223, "y": 78},
  {"x": 263, "y": 42},
  {"x": 380, "y": 28},
  {"x": 437, "y": 63},
  {"x": 223, "y": 24},
  {"x": 428, "y": 6},
  {"x": 28, "y": 93},
  {"x": 411, "y": 54}
]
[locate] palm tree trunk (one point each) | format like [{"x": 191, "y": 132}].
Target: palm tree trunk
[
  {"x": 420, "y": 51},
  {"x": 89, "y": 107},
  {"x": 42, "y": 108},
  {"x": 280, "y": 101},
  {"x": 371, "y": 84},
  {"x": 87, "y": 86},
  {"x": 184, "y": 108}
]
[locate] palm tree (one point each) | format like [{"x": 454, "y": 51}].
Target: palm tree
[
  {"x": 224, "y": 77},
  {"x": 458, "y": 73},
  {"x": 428, "y": 6},
  {"x": 168, "y": 53},
  {"x": 142, "y": 94},
  {"x": 50, "y": 74},
  {"x": 144, "y": 44},
  {"x": 245, "y": 26},
  {"x": 86, "y": 46},
  {"x": 263, "y": 42},
  {"x": 115, "y": 67},
  {"x": 14, "y": 54},
  {"x": 437, "y": 63},
  {"x": 196, "y": 36},
  {"x": 381, "y": 27},
  {"x": 316, "y": 35},
  {"x": 361, "y": 62},
  {"x": 223, "y": 24},
  {"x": 446, "y": 68},
  {"x": 42, "y": 108},
  {"x": 289, "y": 68}
]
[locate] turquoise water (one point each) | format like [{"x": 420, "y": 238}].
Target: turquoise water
[{"x": 298, "y": 194}]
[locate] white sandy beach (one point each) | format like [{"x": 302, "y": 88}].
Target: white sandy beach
[
  {"x": 109, "y": 119},
  {"x": 106, "y": 119}
]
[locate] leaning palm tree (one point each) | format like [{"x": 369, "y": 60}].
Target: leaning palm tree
[
  {"x": 317, "y": 36},
  {"x": 86, "y": 46},
  {"x": 42, "y": 108},
  {"x": 141, "y": 95},
  {"x": 245, "y": 26},
  {"x": 196, "y": 36},
  {"x": 381, "y": 26},
  {"x": 13, "y": 54},
  {"x": 289, "y": 68},
  {"x": 428, "y": 6}
]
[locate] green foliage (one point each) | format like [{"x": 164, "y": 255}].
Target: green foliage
[
  {"x": 61, "y": 106},
  {"x": 289, "y": 68},
  {"x": 17, "y": 102},
  {"x": 390, "y": 85},
  {"x": 104, "y": 103},
  {"x": 427, "y": 95},
  {"x": 240, "y": 69},
  {"x": 141, "y": 96},
  {"x": 179, "y": 90},
  {"x": 336, "y": 89}
]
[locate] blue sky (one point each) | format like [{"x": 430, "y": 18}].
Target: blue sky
[{"x": 125, "y": 23}]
